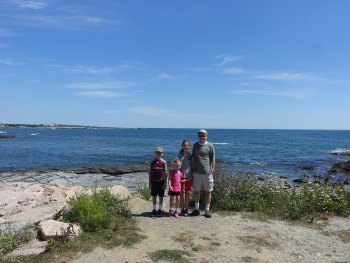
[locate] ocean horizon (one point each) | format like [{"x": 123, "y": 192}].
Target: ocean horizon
[{"x": 285, "y": 152}]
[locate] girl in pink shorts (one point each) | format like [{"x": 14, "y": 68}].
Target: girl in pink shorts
[{"x": 175, "y": 180}]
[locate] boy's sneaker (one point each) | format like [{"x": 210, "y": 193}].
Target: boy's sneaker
[
  {"x": 195, "y": 212},
  {"x": 171, "y": 213},
  {"x": 160, "y": 212},
  {"x": 207, "y": 214},
  {"x": 185, "y": 213},
  {"x": 176, "y": 214},
  {"x": 154, "y": 212}
]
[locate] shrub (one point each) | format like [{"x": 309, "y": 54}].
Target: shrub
[
  {"x": 271, "y": 196},
  {"x": 96, "y": 211}
]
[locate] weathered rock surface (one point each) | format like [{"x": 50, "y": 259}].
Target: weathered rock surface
[
  {"x": 33, "y": 247},
  {"x": 129, "y": 175},
  {"x": 53, "y": 229},
  {"x": 27, "y": 203}
]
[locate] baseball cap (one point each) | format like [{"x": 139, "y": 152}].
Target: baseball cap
[
  {"x": 159, "y": 149},
  {"x": 202, "y": 131}
]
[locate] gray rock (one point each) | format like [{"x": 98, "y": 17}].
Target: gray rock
[
  {"x": 34, "y": 247},
  {"x": 53, "y": 229}
]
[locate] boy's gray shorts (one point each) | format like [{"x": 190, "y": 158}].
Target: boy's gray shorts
[{"x": 203, "y": 182}]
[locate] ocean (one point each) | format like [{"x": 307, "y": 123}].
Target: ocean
[{"x": 291, "y": 153}]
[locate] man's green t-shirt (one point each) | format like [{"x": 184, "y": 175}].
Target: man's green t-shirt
[{"x": 203, "y": 156}]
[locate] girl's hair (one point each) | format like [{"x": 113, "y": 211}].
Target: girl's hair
[
  {"x": 177, "y": 160},
  {"x": 182, "y": 144}
]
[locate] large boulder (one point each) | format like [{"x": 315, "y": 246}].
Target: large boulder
[
  {"x": 53, "y": 229},
  {"x": 120, "y": 191}
]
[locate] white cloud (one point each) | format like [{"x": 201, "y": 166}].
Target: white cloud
[
  {"x": 161, "y": 112},
  {"x": 6, "y": 33},
  {"x": 200, "y": 69},
  {"x": 165, "y": 76},
  {"x": 28, "y": 4},
  {"x": 81, "y": 69},
  {"x": 295, "y": 93},
  {"x": 64, "y": 21},
  {"x": 100, "y": 93},
  {"x": 100, "y": 89},
  {"x": 100, "y": 85},
  {"x": 233, "y": 71},
  {"x": 10, "y": 62},
  {"x": 286, "y": 76},
  {"x": 224, "y": 60}
]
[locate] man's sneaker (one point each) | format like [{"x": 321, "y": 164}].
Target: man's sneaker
[
  {"x": 185, "y": 213},
  {"x": 207, "y": 214},
  {"x": 195, "y": 212},
  {"x": 160, "y": 212},
  {"x": 171, "y": 213},
  {"x": 176, "y": 214},
  {"x": 154, "y": 212}
]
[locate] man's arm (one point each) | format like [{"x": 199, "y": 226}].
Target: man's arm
[{"x": 213, "y": 161}]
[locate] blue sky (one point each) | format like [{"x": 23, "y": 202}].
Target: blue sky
[{"x": 187, "y": 64}]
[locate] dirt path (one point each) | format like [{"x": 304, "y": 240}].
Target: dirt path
[{"x": 232, "y": 238}]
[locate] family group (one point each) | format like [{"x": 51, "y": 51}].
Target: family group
[{"x": 191, "y": 170}]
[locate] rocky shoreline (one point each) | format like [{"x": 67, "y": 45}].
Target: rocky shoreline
[
  {"x": 126, "y": 174},
  {"x": 31, "y": 198}
]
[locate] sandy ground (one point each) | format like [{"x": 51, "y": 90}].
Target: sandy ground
[{"x": 232, "y": 238}]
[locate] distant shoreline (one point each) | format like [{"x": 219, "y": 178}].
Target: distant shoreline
[{"x": 51, "y": 126}]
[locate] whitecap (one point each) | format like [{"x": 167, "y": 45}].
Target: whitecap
[
  {"x": 220, "y": 143},
  {"x": 2, "y": 132},
  {"x": 340, "y": 152},
  {"x": 34, "y": 134}
]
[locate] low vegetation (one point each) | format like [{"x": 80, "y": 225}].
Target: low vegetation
[
  {"x": 170, "y": 255},
  {"x": 10, "y": 240},
  {"x": 143, "y": 190},
  {"x": 274, "y": 198},
  {"x": 106, "y": 221}
]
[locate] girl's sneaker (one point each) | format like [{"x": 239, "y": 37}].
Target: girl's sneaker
[
  {"x": 171, "y": 213},
  {"x": 176, "y": 214}
]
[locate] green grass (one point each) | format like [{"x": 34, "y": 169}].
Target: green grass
[
  {"x": 170, "y": 255},
  {"x": 271, "y": 197},
  {"x": 10, "y": 240},
  {"x": 143, "y": 190}
]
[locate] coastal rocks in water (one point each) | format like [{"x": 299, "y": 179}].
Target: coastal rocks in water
[
  {"x": 301, "y": 180},
  {"x": 341, "y": 152},
  {"x": 53, "y": 229},
  {"x": 342, "y": 167},
  {"x": 2, "y": 136},
  {"x": 112, "y": 170}
]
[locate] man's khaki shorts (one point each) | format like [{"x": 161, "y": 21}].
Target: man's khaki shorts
[{"x": 203, "y": 182}]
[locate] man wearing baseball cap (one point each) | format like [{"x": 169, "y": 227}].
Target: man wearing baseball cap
[{"x": 203, "y": 169}]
